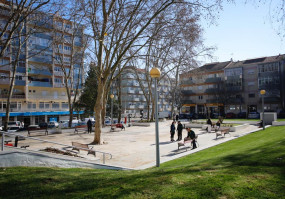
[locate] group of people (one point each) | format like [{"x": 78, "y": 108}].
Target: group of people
[{"x": 190, "y": 134}]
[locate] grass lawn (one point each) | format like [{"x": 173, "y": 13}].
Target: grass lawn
[{"x": 252, "y": 166}]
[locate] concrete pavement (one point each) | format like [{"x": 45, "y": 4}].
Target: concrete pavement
[{"x": 133, "y": 148}]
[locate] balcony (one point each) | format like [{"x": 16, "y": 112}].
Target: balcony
[
  {"x": 59, "y": 85},
  {"x": 211, "y": 101},
  {"x": 234, "y": 88},
  {"x": 186, "y": 82},
  {"x": 6, "y": 67},
  {"x": 40, "y": 72},
  {"x": 20, "y": 82},
  {"x": 212, "y": 91},
  {"x": 5, "y": 81},
  {"x": 141, "y": 106},
  {"x": 40, "y": 84},
  {"x": 132, "y": 106},
  {"x": 187, "y": 102},
  {"x": 13, "y": 96},
  {"x": 58, "y": 73},
  {"x": 187, "y": 92},
  {"x": 21, "y": 69},
  {"x": 136, "y": 99},
  {"x": 213, "y": 80},
  {"x": 131, "y": 91}
]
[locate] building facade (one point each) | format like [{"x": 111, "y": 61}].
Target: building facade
[
  {"x": 237, "y": 88},
  {"x": 201, "y": 89},
  {"x": 52, "y": 53},
  {"x": 134, "y": 90}
]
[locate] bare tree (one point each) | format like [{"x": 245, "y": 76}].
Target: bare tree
[{"x": 70, "y": 42}]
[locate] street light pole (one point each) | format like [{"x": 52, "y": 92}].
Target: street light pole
[
  {"x": 262, "y": 92},
  {"x": 155, "y": 73}
]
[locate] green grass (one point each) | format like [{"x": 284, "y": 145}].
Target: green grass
[{"x": 252, "y": 166}]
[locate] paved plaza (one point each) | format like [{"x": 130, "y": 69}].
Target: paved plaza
[{"x": 134, "y": 147}]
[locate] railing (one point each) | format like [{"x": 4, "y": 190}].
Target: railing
[
  {"x": 187, "y": 92},
  {"x": 40, "y": 84},
  {"x": 13, "y": 96},
  {"x": 40, "y": 72},
  {"x": 213, "y": 80},
  {"x": 5, "y": 81},
  {"x": 3, "y": 145}
]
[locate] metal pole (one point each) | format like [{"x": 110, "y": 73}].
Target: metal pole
[
  {"x": 263, "y": 112},
  {"x": 103, "y": 158},
  {"x": 156, "y": 125},
  {"x": 3, "y": 140},
  {"x": 111, "y": 112}
]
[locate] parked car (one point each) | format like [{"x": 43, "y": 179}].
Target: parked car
[
  {"x": 230, "y": 115},
  {"x": 13, "y": 129},
  {"x": 14, "y": 123},
  {"x": 241, "y": 115},
  {"x": 253, "y": 115},
  {"x": 43, "y": 125},
  {"x": 53, "y": 124}
]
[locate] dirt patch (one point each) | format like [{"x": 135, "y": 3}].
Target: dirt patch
[{"x": 57, "y": 151}]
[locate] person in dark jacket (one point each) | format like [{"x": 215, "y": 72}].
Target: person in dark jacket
[
  {"x": 172, "y": 131},
  {"x": 177, "y": 117},
  {"x": 191, "y": 135},
  {"x": 89, "y": 126},
  {"x": 179, "y": 131}
]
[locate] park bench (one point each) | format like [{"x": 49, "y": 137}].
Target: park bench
[
  {"x": 186, "y": 142},
  {"x": 82, "y": 129},
  {"x": 37, "y": 131},
  {"x": 223, "y": 132},
  {"x": 84, "y": 147}
]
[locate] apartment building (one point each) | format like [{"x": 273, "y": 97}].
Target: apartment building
[
  {"x": 245, "y": 79},
  {"x": 134, "y": 90},
  {"x": 219, "y": 88},
  {"x": 201, "y": 89},
  {"x": 53, "y": 51}
]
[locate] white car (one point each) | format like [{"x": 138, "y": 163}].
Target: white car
[{"x": 53, "y": 124}]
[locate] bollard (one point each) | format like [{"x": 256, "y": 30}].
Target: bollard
[{"x": 103, "y": 158}]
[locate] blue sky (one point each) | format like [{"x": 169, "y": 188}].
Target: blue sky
[{"x": 243, "y": 31}]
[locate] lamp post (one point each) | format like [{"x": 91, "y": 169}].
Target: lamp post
[
  {"x": 155, "y": 73},
  {"x": 111, "y": 96},
  {"x": 262, "y": 92}
]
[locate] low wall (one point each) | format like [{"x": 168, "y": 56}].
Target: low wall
[
  {"x": 275, "y": 123},
  {"x": 204, "y": 126},
  {"x": 141, "y": 124}
]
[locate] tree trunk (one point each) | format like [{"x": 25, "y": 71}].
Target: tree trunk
[{"x": 98, "y": 112}]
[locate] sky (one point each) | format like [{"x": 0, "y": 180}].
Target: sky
[{"x": 243, "y": 31}]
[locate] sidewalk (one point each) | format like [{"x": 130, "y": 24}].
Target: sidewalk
[{"x": 135, "y": 147}]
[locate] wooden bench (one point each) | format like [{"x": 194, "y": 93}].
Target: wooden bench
[
  {"x": 186, "y": 142},
  {"x": 38, "y": 131},
  {"x": 222, "y": 132},
  {"x": 81, "y": 129},
  {"x": 84, "y": 147}
]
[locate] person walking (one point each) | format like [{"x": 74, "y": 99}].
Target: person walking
[
  {"x": 177, "y": 117},
  {"x": 172, "y": 131},
  {"x": 89, "y": 126},
  {"x": 179, "y": 131}
]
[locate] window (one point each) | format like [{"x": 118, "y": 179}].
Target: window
[
  {"x": 42, "y": 105},
  {"x": 252, "y": 95},
  {"x": 251, "y": 83},
  {"x": 66, "y": 59},
  {"x": 200, "y": 97},
  {"x": 46, "y": 105},
  {"x": 64, "y": 105},
  {"x": 58, "y": 80},
  {"x": 55, "y": 105},
  {"x": 32, "y": 105},
  {"x": 250, "y": 72}
]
